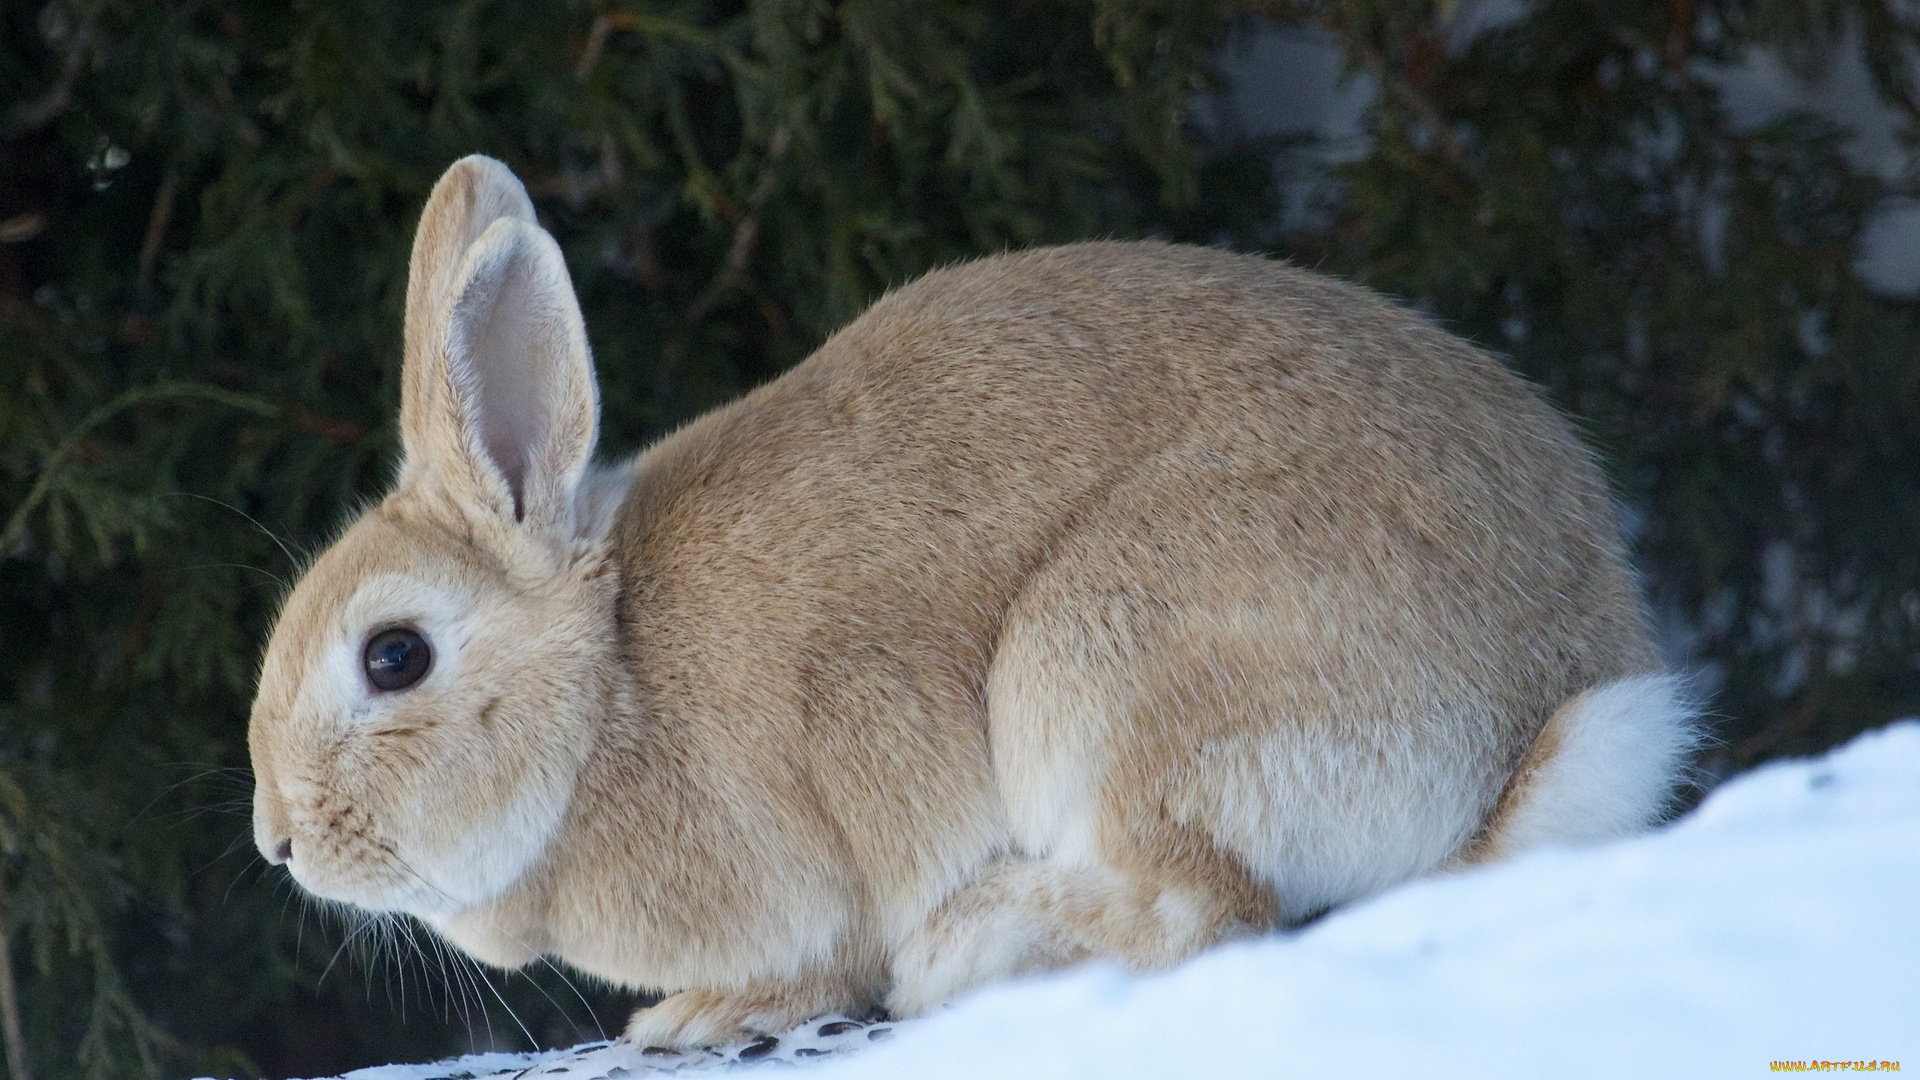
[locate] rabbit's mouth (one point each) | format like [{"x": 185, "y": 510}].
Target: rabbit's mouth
[
  {"x": 350, "y": 862},
  {"x": 407, "y": 857},
  {"x": 380, "y": 883}
]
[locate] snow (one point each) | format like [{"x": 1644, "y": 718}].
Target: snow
[
  {"x": 819, "y": 1038},
  {"x": 1778, "y": 922}
]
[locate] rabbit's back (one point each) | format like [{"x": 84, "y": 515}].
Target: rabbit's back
[{"x": 1111, "y": 550}]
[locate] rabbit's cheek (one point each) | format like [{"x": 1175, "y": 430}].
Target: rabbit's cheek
[
  {"x": 506, "y": 755},
  {"x": 478, "y": 800}
]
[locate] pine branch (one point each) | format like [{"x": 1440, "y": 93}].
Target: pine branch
[
  {"x": 15, "y": 531},
  {"x": 30, "y": 116},
  {"x": 10, "y": 1002},
  {"x": 733, "y": 269}
]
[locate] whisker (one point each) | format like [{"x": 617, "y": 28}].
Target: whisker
[
  {"x": 461, "y": 965},
  {"x": 171, "y": 788},
  {"x": 391, "y": 967},
  {"x": 403, "y": 936},
  {"x": 485, "y": 979},
  {"x": 351, "y": 935},
  {"x": 240, "y": 875},
  {"x": 450, "y": 970},
  {"x": 270, "y": 534},
  {"x": 268, "y": 574},
  {"x": 549, "y": 964},
  {"x": 511, "y": 1015},
  {"x": 451, "y": 960}
]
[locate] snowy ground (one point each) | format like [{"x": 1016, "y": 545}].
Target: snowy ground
[{"x": 1779, "y": 922}]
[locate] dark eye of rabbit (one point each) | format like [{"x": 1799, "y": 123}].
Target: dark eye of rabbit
[{"x": 396, "y": 659}]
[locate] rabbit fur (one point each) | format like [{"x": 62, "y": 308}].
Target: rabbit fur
[{"x": 1099, "y": 601}]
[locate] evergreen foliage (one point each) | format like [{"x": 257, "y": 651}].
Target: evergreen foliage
[
  {"x": 204, "y": 216},
  {"x": 1569, "y": 190}
]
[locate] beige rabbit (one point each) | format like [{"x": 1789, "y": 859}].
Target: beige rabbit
[{"x": 1096, "y": 601}]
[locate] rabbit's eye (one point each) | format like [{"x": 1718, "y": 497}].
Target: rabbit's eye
[{"x": 396, "y": 659}]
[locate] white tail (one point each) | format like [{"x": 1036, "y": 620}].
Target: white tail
[{"x": 1605, "y": 765}]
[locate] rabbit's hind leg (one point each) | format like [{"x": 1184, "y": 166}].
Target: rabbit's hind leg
[
  {"x": 849, "y": 983},
  {"x": 1023, "y": 915},
  {"x": 694, "y": 1018}
]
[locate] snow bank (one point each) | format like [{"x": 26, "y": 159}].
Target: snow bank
[{"x": 1778, "y": 922}]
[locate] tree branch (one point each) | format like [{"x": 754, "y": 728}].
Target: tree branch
[
  {"x": 1423, "y": 108},
  {"x": 10, "y": 1005},
  {"x": 16, "y": 526},
  {"x": 157, "y": 223},
  {"x": 746, "y": 233},
  {"x": 31, "y": 115}
]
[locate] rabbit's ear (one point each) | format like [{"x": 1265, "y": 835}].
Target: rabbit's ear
[{"x": 498, "y": 403}]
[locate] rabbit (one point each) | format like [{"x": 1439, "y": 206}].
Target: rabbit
[{"x": 1104, "y": 601}]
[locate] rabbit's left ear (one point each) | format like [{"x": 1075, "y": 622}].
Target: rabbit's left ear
[{"x": 498, "y": 402}]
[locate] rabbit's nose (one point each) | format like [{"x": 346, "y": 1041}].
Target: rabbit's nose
[{"x": 282, "y": 852}]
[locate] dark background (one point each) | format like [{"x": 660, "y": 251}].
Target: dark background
[{"x": 204, "y": 217}]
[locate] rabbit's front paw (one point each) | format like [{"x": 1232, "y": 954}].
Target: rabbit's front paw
[{"x": 693, "y": 1018}]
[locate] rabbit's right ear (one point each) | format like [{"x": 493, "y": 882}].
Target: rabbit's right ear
[
  {"x": 472, "y": 194},
  {"x": 498, "y": 407}
]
